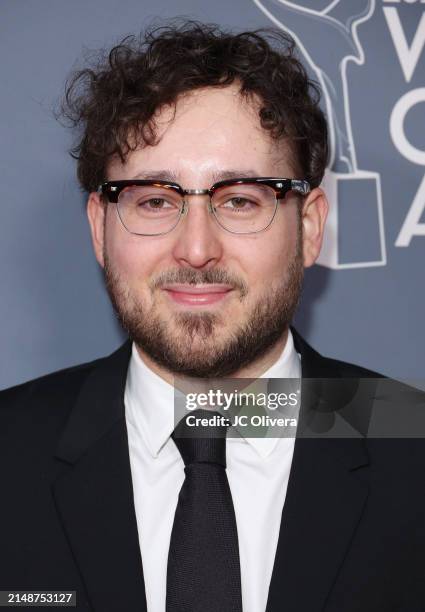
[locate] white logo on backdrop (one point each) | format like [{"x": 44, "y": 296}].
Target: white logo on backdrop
[{"x": 328, "y": 51}]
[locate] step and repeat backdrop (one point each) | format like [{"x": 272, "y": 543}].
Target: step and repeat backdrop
[{"x": 365, "y": 300}]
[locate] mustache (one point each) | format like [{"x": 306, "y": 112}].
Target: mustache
[{"x": 213, "y": 276}]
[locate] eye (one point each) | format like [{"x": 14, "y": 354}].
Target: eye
[
  {"x": 155, "y": 204},
  {"x": 237, "y": 203},
  {"x": 149, "y": 200}
]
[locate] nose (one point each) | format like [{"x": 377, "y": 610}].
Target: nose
[{"x": 198, "y": 240}]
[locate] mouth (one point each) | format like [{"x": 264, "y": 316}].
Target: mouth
[{"x": 197, "y": 295}]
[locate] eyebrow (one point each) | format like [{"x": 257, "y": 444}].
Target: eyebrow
[
  {"x": 157, "y": 175},
  {"x": 224, "y": 175},
  {"x": 218, "y": 175}
]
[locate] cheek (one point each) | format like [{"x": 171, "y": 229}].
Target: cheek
[
  {"x": 133, "y": 257},
  {"x": 286, "y": 240},
  {"x": 266, "y": 256}
]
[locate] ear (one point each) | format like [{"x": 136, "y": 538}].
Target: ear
[
  {"x": 96, "y": 211},
  {"x": 314, "y": 214}
]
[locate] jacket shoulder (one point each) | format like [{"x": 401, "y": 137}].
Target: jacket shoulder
[
  {"x": 54, "y": 392},
  {"x": 317, "y": 365},
  {"x": 349, "y": 370},
  {"x": 34, "y": 414}
]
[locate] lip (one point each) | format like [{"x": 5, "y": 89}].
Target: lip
[{"x": 197, "y": 295}]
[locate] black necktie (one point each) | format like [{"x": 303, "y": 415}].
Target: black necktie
[{"x": 203, "y": 573}]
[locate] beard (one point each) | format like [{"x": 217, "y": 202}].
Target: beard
[{"x": 189, "y": 345}]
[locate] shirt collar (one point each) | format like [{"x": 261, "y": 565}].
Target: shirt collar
[{"x": 149, "y": 400}]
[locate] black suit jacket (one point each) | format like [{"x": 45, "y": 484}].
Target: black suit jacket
[{"x": 352, "y": 534}]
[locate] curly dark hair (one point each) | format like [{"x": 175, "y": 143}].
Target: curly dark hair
[{"x": 113, "y": 102}]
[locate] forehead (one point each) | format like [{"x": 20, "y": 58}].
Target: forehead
[{"x": 206, "y": 132}]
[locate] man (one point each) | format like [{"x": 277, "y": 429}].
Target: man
[{"x": 202, "y": 153}]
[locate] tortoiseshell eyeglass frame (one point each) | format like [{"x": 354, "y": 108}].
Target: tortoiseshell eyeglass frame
[{"x": 281, "y": 186}]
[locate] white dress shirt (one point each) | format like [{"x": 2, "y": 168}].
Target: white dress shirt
[{"x": 257, "y": 470}]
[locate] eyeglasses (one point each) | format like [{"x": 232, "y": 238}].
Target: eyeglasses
[{"x": 240, "y": 206}]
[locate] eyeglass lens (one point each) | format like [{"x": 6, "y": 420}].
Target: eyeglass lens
[{"x": 154, "y": 210}]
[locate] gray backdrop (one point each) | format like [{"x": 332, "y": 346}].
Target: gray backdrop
[{"x": 365, "y": 305}]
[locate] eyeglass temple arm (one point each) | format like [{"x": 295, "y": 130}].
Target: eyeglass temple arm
[{"x": 302, "y": 187}]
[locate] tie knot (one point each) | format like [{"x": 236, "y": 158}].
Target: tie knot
[{"x": 201, "y": 437}]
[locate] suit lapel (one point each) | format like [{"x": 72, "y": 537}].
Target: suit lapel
[
  {"x": 93, "y": 492},
  {"x": 326, "y": 495}
]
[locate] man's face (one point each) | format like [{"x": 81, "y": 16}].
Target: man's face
[{"x": 257, "y": 276}]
